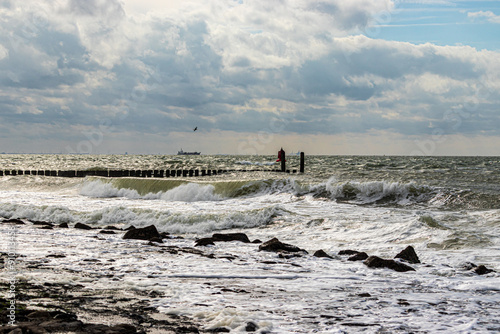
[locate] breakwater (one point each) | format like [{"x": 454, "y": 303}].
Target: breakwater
[{"x": 157, "y": 173}]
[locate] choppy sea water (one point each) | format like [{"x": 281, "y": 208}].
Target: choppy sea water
[{"x": 447, "y": 208}]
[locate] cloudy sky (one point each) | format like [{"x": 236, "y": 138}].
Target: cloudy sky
[{"x": 323, "y": 77}]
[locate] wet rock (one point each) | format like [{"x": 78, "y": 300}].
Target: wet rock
[
  {"x": 348, "y": 252},
  {"x": 257, "y": 241},
  {"x": 184, "y": 329},
  {"x": 409, "y": 255},
  {"x": 482, "y": 270},
  {"x": 13, "y": 221},
  {"x": 251, "y": 326},
  {"x": 122, "y": 329},
  {"x": 146, "y": 233},
  {"x": 274, "y": 245},
  {"x": 131, "y": 227},
  {"x": 111, "y": 227},
  {"x": 82, "y": 226},
  {"x": 321, "y": 253},
  {"x": 219, "y": 330},
  {"x": 361, "y": 256},
  {"x": 63, "y": 225},
  {"x": 205, "y": 242},
  {"x": 61, "y": 326},
  {"x": 469, "y": 266},
  {"x": 39, "y": 315},
  {"x": 231, "y": 237},
  {"x": 107, "y": 232},
  {"x": 56, "y": 256},
  {"x": 42, "y": 223},
  {"x": 225, "y": 237},
  {"x": 377, "y": 262}
]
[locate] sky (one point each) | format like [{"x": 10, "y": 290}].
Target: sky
[{"x": 334, "y": 77}]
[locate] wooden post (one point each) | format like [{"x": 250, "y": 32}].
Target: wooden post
[
  {"x": 302, "y": 162},
  {"x": 283, "y": 161}
]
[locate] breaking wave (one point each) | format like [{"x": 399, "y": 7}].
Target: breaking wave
[
  {"x": 186, "y": 192},
  {"x": 381, "y": 193}
]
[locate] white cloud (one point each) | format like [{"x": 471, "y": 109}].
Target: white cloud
[
  {"x": 233, "y": 67},
  {"x": 490, "y": 16}
]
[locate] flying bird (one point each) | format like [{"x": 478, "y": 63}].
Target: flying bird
[{"x": 196, "y": 128}]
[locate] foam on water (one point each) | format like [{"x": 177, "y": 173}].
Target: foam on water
[
  {"x": 448, "y": 219},
  {"x": 188, "y": 192}
]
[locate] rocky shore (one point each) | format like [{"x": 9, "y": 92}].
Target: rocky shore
[
  {"x": 64, "y": 308},
  {"x": 74, "y": 308}
]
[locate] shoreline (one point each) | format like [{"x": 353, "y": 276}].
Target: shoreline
[
  {"x": 221, "y": 284},
  {"x": 72, "y": 308}
]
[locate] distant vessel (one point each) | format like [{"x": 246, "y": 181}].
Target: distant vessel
[{"x": 181, "y": 152}]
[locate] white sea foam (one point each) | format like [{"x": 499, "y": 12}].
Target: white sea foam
[
  {"x": 237, "y": 283},
  {"x": 189, "y": 192}
]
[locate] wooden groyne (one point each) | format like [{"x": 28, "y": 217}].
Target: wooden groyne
[{"x": 149, "y": 173}]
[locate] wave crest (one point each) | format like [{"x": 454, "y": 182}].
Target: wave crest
[{"x": 187, "y": 192}]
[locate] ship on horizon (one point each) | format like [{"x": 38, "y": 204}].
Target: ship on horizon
[{"x": 181, "y": 152}]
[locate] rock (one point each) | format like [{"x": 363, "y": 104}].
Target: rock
[
  {"x": 39, "y": 315},
  {"x": 482, "y": 270},
  {"x": 222, "y": 237},
  {"x": 56, "y": 256},
  {"x": 111, "y": 227},
  {"x": 321, "y": 253},
  {"x": 348, "y": 252},
  {"x": 82, "y": 226},
  {"x": 146, "y": 233},
  {"x": 205, "y": 242},
  {"x": 13, "y": 221},
  {"x": 63, "y": 316},
  {"x": 361, "y": 256},
  {"x": 63, "y": 225},
  {"x": 42, "y": 223},
  {"x": 61, "y": 326},
  {"x": 251, "y": 326},
  {"x": 185, "y": 329},
  {"x": 469, "y": 266},
  {"x": 377, "y": 262},
  {"x": 274, "y": 245},
  {"x": 123, "y": 329},
  {"x": 409, "y": 255},
  {"x": 231, "y": 237},
  {"x": 219, "y": 330},
  {"x": 257, "y": 241},
  {"x": 107, "y": 232},
  {"x": 131, "y": 227}
]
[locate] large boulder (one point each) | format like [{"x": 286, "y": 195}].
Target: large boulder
[
  {"x": 377, "y": 262},
  {"x": 274, "y": 245},
  {"x": 409, "y": 255},
  {"x": 146, "y": 233}
]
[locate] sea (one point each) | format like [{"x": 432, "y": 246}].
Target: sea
[{"x": 446, "y": 208}]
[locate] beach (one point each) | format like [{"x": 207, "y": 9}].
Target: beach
[{"x": 445, "y": 208}]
